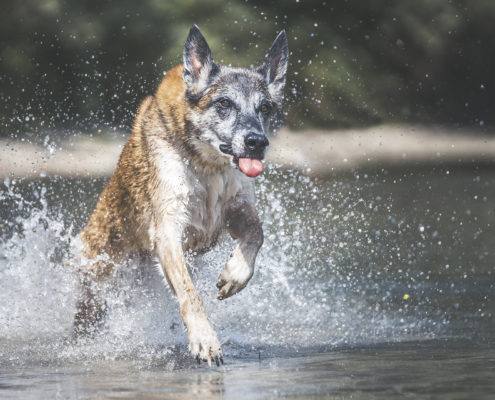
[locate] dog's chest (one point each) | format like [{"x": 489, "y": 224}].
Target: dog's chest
[{"x": 209, "y": 194}]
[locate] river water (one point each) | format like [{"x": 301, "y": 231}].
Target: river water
[{"x": 370, "y": 284}]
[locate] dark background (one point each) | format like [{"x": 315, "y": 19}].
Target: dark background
[{"x": 84, "y": 65}]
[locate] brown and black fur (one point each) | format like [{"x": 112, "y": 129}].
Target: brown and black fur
[{"x": 177, "y": 184}]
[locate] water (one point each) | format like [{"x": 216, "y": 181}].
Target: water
[{"x": 372, "y": 284}]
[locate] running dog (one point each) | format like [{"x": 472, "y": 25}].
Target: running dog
[{"x": 184, "y": 175}]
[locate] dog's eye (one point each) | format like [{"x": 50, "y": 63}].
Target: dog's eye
[
  {"x": 225, "y": 103},
  {"x": 265, "y": 108}
]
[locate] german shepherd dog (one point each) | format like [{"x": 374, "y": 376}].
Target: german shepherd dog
[{"x": 184, "y": 175}]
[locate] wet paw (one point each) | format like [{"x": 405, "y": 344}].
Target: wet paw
[
  {"x": 233, "y": 279},
  {"x": 204, "y": 344}
]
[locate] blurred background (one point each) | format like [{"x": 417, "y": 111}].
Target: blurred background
[
  {"x": 84, "y": 65},
  {"x": 377, "y": 200}
]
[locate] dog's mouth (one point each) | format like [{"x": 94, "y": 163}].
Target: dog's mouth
[{"x": 249, "y": 166}]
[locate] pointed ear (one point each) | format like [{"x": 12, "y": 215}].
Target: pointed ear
[
  {"x": 198, "y": 62},
  {"x": 275, "y": 66}
]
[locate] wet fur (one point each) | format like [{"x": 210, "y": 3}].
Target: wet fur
[{"x": 174, "y": 191}]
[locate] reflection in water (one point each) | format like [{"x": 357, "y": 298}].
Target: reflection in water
[{"x": 448, "y": 368}]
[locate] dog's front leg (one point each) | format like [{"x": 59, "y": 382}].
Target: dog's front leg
[
  {"x": 244, "y": 225},
  {"x": 203, "y": 341}
]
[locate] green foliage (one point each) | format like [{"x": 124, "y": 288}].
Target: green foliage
[{"x": 86, "y": 64}]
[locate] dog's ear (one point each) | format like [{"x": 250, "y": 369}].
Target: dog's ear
[
  {"x": 198, "y": 62},
  {"x": 275, "y": 66}
]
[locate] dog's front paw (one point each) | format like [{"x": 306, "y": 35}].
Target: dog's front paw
[
  {"x": 204, "y": 344},
  {"x": 233, "y": 279}
]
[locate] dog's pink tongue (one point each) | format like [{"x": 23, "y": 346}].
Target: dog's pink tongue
[{"x": 250, "y": 166}]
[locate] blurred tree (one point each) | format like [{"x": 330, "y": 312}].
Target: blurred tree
[{"x": 86, "y": 64}]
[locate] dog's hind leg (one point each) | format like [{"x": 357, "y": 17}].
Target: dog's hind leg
[
  {"x": 90, "y": 310},
  {"x": 203, "y": 341},
  {"x": 91, "y": 307},
  {"x": 244, "y": 225}
]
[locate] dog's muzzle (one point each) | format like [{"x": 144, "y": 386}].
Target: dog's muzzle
[
  {"x": 250, "y": 162},
  {"x": 256, "y": 145},
  {"x": 226, "y": 149}
]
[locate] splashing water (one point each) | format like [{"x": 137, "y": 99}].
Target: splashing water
[{"x": 337, "y": 268}]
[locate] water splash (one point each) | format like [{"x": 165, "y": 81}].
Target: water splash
[{"x": 315, "y": 284}]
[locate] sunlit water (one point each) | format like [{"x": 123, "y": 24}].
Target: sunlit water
[{"x": 376, "y": 284}]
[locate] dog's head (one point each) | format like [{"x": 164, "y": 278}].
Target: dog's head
[{"x": 230, "y": 109}]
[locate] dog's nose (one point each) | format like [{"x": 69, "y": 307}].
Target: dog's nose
[{"x": 256, "y": 142}]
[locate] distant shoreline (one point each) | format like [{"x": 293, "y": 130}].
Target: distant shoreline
[{"x": 316, "y": 152}]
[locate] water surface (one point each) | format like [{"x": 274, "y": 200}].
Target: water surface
[{"x": 371, "y": 284}]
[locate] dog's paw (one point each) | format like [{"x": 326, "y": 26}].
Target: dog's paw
[
  {"x": 204, "y": 344},
  {"x": 233, "y": 279}
]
